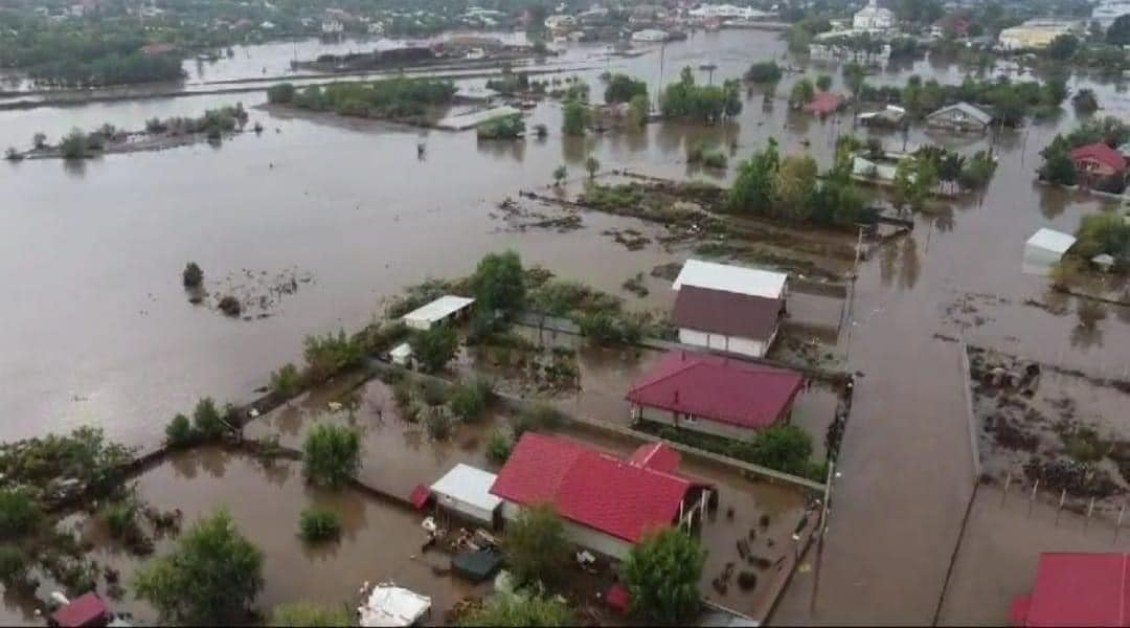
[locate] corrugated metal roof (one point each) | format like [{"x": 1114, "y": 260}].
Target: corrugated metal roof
[
  {"x": 967, "y": 109},
  {"x": 1079, "y": 590},
  {"x": 739, "y": 279},
  {"x": 728, "y": 313},
  {"x": 436, "y": 311},
  {"x": 468, "y": 485}
]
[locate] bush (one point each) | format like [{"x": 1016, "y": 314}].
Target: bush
[
  {"x": 499, "y": 446},
  {"x": 509, "y": 127},
  {"x": 318, "y": 525},
  {"x": 192, "y": 276},
  {"x": 121, "y": 518},
  {"x": 207, "y": 421},
  {"x": 285, "y": 381},
  {"x": 301, "y": 614},
  {"x": 331, "y": 455},
  {"x": 438, "y": 422},
  {"x": 230, "y": 306},
  {"x": 468, "y": 400},
  {"x": 435, "y": 347},
  {"x": 76, "y": 145},
  {"x": 283, "y": 93},
  {"x": 783, "y": 447},
  {"x": 764, "y": 72},
  {"x": 540, "y": 416},
  {"x": 19, "y": 515},
  {"x": 180, "y": 432},
  {"x": 13, "y": 565},
  {"x": 328, "y": 354}
]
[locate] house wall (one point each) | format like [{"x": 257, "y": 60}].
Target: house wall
[
  {"x": 582, "y": 536},
  {"x": 1094, "y": 168},
  {"x": 721, "y": 342},
  {"x": 465, "y": 509},
  {"x": 698, "y": 424}
]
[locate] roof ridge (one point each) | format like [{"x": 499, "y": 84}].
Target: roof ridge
[{"x": 695, "y": 362}]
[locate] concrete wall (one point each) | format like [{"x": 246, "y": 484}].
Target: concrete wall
[
  {"x": 713, "y": 428},
  {"x": 720, "y": 342},
  {"x": 582, "y": 536}
]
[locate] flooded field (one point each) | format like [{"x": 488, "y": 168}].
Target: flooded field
[{"x": 98, "y": 330}]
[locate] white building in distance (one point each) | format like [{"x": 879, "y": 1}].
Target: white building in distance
[
  {"x": 725, "y": 12},
  {"x": 873, "y": 18}
]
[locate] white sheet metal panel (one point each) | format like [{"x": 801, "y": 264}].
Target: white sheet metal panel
[
  {"x": 1044, "y": 250},
  {"x": 739, "y": 279},
  {"x": 430, "y": 314}
]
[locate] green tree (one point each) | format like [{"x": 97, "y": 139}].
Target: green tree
[
  {"x": 1118, "y": 33},
  {"x": 855, "y": 77},
  {"x": 638, "y": 110},
  {"x": 802, "y": 93},
  {"x": 915, "y": 179},
  {"x": 1085, "y": 102},
  {"x": 301, "y": 614},
  {"x": 663, "y": 571},
  {"x": 1058, "y": 166},
  {"x": 192, "y": 276},
  {"x": 433, "y": 348},
  {"x": 793, "y": 186},
  {"x": 764, "y": 72},
  {"x": 559, "y": 175},
  {"x": 206, "y": 420},
  {"x": 575, "y": 118},
  {"x": 535, "y": 546},
  {"x": 331, "y": 455},
  {"x": 592, "y": 166},
  {"x": 623, "y": 88},
  {"x": 468, "y": 400},
  {"x": 1055, "y": 90},
  {"x": 499, "y": 283},
  {"x": 75, "y": 145},
  {"x": 282, "y": 94},
  {"x": 1063, "y": 47},
  {"x": 211, "y": 578},
  {"x": 39, "y": 140},
  {"x": 286, "y": 381},
  {"x": 1103, "y": 233},
  {"x": 19, "y": 515},
  {"x": 499, "y": 446},
  {"x": 823, "y": 82},
  {"x": 180, "y": 433},
  {"x": 753, "y": 191},
  {"x": 520, "y": 610}
]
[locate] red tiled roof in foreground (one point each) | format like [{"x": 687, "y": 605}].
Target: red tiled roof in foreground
[
  {"x": 824, "y": 103},
  {"x": 718, "y": 389},
  {"x": 1077, "y": 590},
  {"x": 1101, "y": 153},
  {"x": 618, "y": 497},
  {"x": 86, "y": 610}
]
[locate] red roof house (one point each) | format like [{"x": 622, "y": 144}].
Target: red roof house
[
  {"x": 607, "y": 502},
  {"x": 85, "y": 611},
  {"x": 824, "y": 103},
  {"x": 714, "y": 394},
  {"x": 1077, "y": 590},
  {"x": 1098, "y": 161}
]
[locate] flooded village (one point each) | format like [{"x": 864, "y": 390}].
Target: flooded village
[{"x": 689, "y": 313}]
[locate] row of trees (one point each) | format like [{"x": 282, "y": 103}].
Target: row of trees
[
  {"x": 396, "y": 98},
  {"x": 788, "y": 189},
  {"x": 1011, "y": 101},
  {"x": 702, "y": 103}
]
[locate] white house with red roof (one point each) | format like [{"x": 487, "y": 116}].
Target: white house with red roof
[
  {"x": 607, "y": 503},
  {"x": 716, "y": 395}
]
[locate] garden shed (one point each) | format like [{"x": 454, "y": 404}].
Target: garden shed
[
  {"x": 390, "y": 605},
  {"x": 466, "y": 490},
  {"x": 1045, "y": 249},
  {"x": 440, "y": 310}
]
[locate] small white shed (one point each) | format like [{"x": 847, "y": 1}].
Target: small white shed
[
  {"x": 466, "y": 490},
  {"x": 389, "y": 606},
  {"x": 439, "y": 310},
  {"x": 1045, "y": 249},
  {"x": 401, "y": 354}
]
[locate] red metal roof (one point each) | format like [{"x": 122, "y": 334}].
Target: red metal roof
[
  {"x": 656, "y": 456},
  {"x": 824, "y": 103},
  {"x": 1101, "y": 153},
  {"x": 589, "y": 487},
  {"x": 718, "y": 389},
  {"x": 729, "y": 313},
  {"x": 1077, "y": 590},
  {"x": 86, "y": 610}
]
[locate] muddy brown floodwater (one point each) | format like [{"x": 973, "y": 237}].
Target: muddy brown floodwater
[{"x": 96, "y": 328}]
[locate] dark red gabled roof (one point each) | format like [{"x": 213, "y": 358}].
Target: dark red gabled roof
[
  {"x": 1101, "y": 153},
  {"x": 824, "y": 103},
  {"x": 729, "y": 313},
  {"x": 718, "y": 389},
  {"x": 618, "y": 497},
  {"x": 86, "y": 610},
  {"x": 1077, "y": 590}
]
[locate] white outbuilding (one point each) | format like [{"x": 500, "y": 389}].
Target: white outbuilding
[
  {"x": 1045, "y": 249},
  {"x": 465, "y": 490},
  {"x": 391, "y": 606},
  {"x": 442, "y": 309}
]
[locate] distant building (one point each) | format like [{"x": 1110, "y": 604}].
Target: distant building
[
  {"x": 650, "y": 35},
  {"x": 873, "y": 18},
  {"x": 1077, "y": 590},
  {"x": 961, "y": 117},
  {"x": 725, "y": 12},
  {"x": 1109, "y": 11},
  {"x": 1035, "y": 34},
  {"x": 608, "y": 503},
  {"x": 560, "y": 22},
  {"x": 824, "y": 104},
  {"x": 332, "y": 27},
  {"x": 715, "y": 395}
]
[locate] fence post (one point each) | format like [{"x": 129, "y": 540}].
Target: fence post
[
  {"x": 1007, "y": 483},
  {"x": 1090, "y": 509},
  {"x": 1032, "y": 497},
  {"x": 1118, "y": 524},
  {"x": 1062, "y": 496}
]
